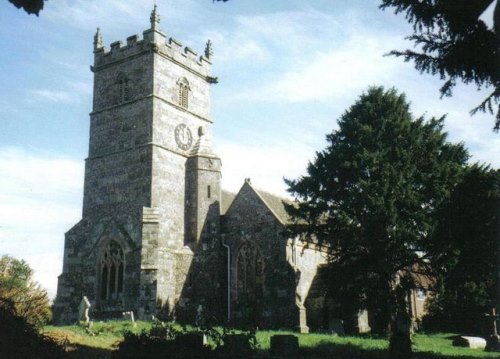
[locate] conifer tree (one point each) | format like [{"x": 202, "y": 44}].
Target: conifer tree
[
  {"x": 454, "y": 43},
  {"x": 370, "y": 198},
  {"x": 463, "y": 252}
]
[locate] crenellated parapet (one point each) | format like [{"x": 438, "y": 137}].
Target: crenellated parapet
[{"x": 153, "y": 41}]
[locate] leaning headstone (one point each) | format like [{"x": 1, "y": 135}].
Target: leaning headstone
[
  {"x": 83, "y": 310},
  {"x": 469, "y": 342},
  {"x": 284, "y": 346},
  {"x": 336, "y": 326}
]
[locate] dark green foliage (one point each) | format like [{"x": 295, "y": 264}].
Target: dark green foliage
[
  {"x": 370, "y": 197},
  {"x": 30, "y": 6},
  {"x": 454, "y": 44},
  {"x": 464, "y": 251},
  {"x": 164, "y": 340},
  {"x": 20, "y": 339}
]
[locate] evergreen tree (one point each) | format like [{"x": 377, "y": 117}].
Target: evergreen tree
[
  {"x": 370, "y": 197},
  {"x": 463, "y": 252},
  {"x": 455, "y": 44},
  {"x": 30, "y": 6}
]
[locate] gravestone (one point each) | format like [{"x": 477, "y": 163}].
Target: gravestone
[
  {"x": 362, "y": 322},
  {"x": 469, "y": 342},
  {"x": 284, "y": 346},
  {"x": 493, "y": 341},
  {"x": 83, "y": 310}
]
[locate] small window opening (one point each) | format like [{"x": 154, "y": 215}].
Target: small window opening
[
  {"x": 209, "y": 191},
  {"x": 183, "y": 92},
  {"x": 123, "y": 90}
]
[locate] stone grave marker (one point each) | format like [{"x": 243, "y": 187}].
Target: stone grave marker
[
  {"x": 493, "y": 341},
  {"x": 469, "y": 342},
  {"x": 83, "y": 310}
]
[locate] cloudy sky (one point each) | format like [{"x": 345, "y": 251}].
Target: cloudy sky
[{"x": 287, "y": 70}]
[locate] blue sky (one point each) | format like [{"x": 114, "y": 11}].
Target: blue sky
[{"x": 287, "y": 70}]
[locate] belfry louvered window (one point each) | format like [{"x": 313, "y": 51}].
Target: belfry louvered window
[
  {"x": 183, "y": 92},
  {"x": 111, "y": 271},
  {"x": 123, "y": 90}
]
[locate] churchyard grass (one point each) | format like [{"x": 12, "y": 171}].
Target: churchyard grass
[{"x": 105, "y": 336}]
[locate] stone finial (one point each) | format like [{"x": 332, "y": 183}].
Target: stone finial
[
  {"x": 155, "y": 19},
  {"x": 98, "y": 44},
  {"x": 209, "y": 52}
]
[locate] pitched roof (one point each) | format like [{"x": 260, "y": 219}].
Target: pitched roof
[
  {"x": 273, "y": 202},
  {"x": 276, "y": 204}
]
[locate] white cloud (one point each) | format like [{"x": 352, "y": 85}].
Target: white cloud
[
  {"x": 43, "y": 95},
  {"x": 73, "y": 92},
  {"x": 40, "y": 199},
  {"x": 264, "y": 164},
  {"x": 116, "y": 14},
  {"x": 234, "y": 46}
]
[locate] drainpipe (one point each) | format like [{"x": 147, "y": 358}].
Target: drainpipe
[{"x": 228, "y": 279}]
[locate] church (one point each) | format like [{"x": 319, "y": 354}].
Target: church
[{"x": 158, "y": 234}]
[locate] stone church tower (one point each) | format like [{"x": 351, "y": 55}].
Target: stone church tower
[{"x": 152, "y": 183}]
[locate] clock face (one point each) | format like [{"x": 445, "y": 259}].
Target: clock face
[{"x": 183, "y": 137}]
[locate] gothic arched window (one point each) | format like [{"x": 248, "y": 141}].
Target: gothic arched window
[
  {"x": 111, "y": 267},
  {"x": 122, "y": 83},
  {"x": 250, "y": 274},
  {"x": 183, "y": 92}
]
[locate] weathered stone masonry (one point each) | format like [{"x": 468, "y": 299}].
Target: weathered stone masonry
[{"x": 156, "y": 235}]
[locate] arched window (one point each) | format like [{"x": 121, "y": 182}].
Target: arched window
[
  {"x": 111, "y": 267},
  {"x": 122, "y": 83},
  {"x": 250, "y": 274},
  {"x": 183, "y": 92}
]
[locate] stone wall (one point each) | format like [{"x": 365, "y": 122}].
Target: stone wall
[{"x": 249, "y": 220}]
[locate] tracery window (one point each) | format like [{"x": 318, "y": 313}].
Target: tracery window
[
  {"x": 111, "y": 271},
  {"x": 123, "y": 90},
  {"x": 183, "y": 92},
  {"x": 250, "y": 274}
]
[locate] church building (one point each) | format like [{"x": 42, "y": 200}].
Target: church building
[{"x": 158, "y": 235}]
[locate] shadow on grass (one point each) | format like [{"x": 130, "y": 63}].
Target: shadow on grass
[
  {"x": 78, "y": 351},
  {"x": 322, "y": 350},
  {"x": 350, "y": 351}
]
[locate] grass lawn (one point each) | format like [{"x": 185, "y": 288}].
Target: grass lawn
[{"x": 102, "y": 339}]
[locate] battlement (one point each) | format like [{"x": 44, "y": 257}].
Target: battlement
[{"x": 153, "y": 40}]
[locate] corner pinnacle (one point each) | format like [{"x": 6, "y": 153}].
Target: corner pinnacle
[
  {"x": 209, "y": 52},
  {"x": 155, "y": 19},
  {"x": 98, "y": 44}
]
